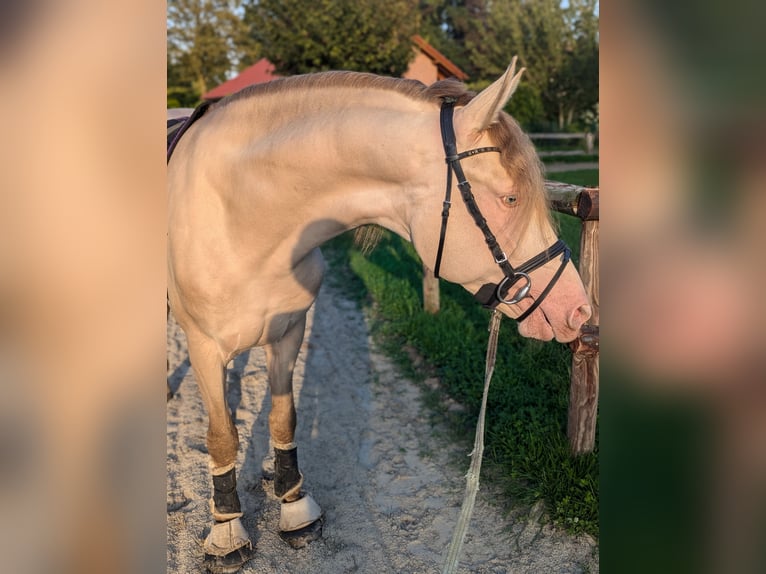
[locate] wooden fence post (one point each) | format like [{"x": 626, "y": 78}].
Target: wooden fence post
[
  {"x": 430, "y": 291},
  {"x": 584, "y": 386},
  {"x": 583, "y": 390},
  {"x": 590, "y": 140}
]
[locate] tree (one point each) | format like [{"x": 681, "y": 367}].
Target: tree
[
  {"x": 580, "y": 74},
  {"x": 438, "y": 28},
  {"x": 180, "y": 89},
  {"x": 478, "y": 35},
  {"x": 558, "y": 46},
  {"x": 301, "y": 36},
  {"x": 206, "y": 41}
]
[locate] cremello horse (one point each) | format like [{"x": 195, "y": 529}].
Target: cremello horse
[{"x": 267, "y": 175}]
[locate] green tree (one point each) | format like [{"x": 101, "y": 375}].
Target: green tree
[
  {"x": 579, "y": 77},
  {"x": 438, "y": 28},
  {"x": 300, "y": 36},
  {"x": 180, "y": 89},
  {"x": 543, "y": 36},
  {"x": 557, "y": 45},
  {"x": 207, "y": 40},
  {"x": 526, "y": 106}
]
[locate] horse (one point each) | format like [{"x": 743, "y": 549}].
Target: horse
[{"x": 261, "y": 179}]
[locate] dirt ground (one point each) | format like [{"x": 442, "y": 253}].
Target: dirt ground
[{"x": 372, "y": 458}]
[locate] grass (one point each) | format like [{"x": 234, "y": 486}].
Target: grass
[
  {"x": 571, "y": 158},
  {"x": 527, "y": 452}
]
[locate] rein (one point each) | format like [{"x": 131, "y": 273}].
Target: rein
[
  {"x": 490, "y": 294},
  {"x": 472, "y": 478}
]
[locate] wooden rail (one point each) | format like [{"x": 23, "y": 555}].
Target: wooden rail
[
  {"x": 567, "y": 153},
  {"x": 588, "y": 137},
  {"x": 582, "y": 202},
  {"x": 558, "y": 136}
]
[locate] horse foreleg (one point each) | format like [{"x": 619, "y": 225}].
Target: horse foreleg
[
  {"x": 300, "y": 515},
  {"x": 227, "y": 546}
]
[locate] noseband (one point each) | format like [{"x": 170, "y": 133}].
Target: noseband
[{"x": 490, "y": 294}]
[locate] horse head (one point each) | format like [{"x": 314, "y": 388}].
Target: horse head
[{"x": 510, "y": 207}]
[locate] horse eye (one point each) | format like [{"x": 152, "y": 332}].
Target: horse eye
[{"x": 509, "y": 199}]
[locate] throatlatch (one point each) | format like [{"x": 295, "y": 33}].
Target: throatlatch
[{"x": 491, "y": 294}]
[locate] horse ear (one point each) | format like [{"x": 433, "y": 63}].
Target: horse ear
[{"x": 484, "y": 109}]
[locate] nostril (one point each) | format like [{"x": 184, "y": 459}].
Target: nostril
[{"x": 579, "y": 316}]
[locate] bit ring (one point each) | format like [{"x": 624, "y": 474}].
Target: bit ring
[{"x": 521, "y": 293}]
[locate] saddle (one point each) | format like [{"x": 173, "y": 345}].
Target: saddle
[{"x": 178, "y": 125}]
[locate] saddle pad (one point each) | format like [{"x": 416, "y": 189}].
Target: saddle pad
[
  {"x": 173, "y": 126},
  {"x": 177, "y": 126}
]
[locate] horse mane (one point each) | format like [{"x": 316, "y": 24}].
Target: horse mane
[
  {"x": 333, "y": 79},
  {"x": 518, "y": 155}
]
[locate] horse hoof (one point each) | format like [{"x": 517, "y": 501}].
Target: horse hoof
[
  {"x": 230, "y": 563},
  {"x": 303, "y": 536}
]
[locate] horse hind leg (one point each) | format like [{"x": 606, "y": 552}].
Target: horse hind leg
[
  {"x": 227, "y": 546},
  {"x": 300, "y": 519}
]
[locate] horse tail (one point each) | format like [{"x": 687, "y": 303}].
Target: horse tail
[{"x": 367, "y": 237}]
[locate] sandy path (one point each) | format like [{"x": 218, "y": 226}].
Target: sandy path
[{"x": 372, "y": 459}]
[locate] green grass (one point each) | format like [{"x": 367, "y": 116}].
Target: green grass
[
  {"x": 527, "y": 452},
  {"x": 570, "y": 158}
]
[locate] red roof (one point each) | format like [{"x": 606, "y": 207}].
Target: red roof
[
  {"x": 260, "y": 72},
  {"x": 263, "y": 71},
  {"x": 439, "y": 59}
]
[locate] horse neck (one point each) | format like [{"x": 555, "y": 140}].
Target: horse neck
[{"x": 346, "y": 165}]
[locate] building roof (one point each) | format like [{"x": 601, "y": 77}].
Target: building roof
[
  {"x": 260, "y": 72},
  {"x": 446, "y": 67},
  {"x": 263, "y": 71}
]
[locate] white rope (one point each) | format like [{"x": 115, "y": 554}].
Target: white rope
[{"x": 472, "y": 478}]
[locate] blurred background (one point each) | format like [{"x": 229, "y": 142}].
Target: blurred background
[
  {"x": 680, "y": 148},
  {"x": 210, "y": 41},
  {"x": 683, "y": 430},
  {"x": 82, "y": 281}
]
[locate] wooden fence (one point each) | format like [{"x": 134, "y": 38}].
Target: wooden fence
[
  {"x": 588, "y": 137},
  {"x": 582, "y": 202}
]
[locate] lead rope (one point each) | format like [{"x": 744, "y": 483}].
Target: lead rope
[{"x": 472, "y": 478}]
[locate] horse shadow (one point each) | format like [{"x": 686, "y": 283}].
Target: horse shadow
[
  {"x": 177, "y": 376},
  {"x": 332, "y": 383}
]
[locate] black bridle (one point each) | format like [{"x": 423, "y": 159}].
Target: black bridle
[{"x": 490, "y": 294}]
